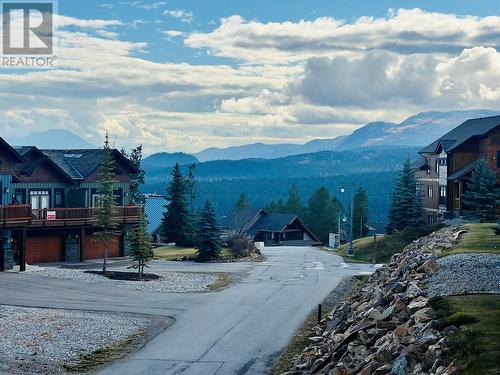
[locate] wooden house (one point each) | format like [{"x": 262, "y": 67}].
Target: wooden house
[
  {"x": 47, "y": 212},
  {"x": 271, "y": 228},
  {"x": 447, "y": 164}
]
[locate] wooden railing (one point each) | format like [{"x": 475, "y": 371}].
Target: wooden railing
[
  {"x": 13, "y": 214},
  {"x": 17, "y": 214}
]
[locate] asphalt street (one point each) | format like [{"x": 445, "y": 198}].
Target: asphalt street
[{"x": 239, "y": 330}]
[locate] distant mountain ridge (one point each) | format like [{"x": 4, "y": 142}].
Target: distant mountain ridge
[
  {"x": 59, "y": 139},
  {"x": 417, "y": 130},
  {"x": 167, "y": 159}
]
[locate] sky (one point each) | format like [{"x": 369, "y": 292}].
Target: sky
[{"x": 187, "y": 75}]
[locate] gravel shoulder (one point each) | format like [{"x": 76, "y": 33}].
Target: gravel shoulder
[
  {"x": 169, "y": 282},
  {"x": 45, "y": 341},
  {"x": 466, "y": 273}
]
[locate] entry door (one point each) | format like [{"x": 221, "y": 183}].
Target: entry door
[{"x": 39, "y": 200}]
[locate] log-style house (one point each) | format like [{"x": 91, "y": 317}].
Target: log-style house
[
  {"x": 48, "y": 203},
  {"x": 447, "y": 165}
]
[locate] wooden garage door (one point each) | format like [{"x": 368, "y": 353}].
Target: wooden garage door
[
  {"x": 94, "y": 247},
  {"x": 44, "y": 249}
]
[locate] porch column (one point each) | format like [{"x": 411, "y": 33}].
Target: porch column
[{"x": 7, "y": 261}]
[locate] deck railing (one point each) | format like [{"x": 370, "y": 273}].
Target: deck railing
[{"x": 13, "y": 214}]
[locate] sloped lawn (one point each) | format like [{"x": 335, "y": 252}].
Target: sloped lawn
[
  {"x": 477, "y": 345},
  {"x": 478, "y": 238}
]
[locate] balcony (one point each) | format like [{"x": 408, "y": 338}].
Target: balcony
[{"x": 16, "y": 216}]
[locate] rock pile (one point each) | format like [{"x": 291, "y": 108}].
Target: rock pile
[{"x": 386, "y": 326}]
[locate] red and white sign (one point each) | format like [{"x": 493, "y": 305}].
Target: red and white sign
[{"x": 51, "y": 215}]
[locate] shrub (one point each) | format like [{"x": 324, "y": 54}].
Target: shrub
[{"x": 241, "y": 246}]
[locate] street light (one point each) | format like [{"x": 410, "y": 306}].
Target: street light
[{"x": 350, "y": 250}]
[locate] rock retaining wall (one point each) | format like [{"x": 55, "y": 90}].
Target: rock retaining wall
[{"x": 386, "y": 326}]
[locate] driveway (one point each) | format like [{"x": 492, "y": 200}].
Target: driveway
[{"x": 239, "y": 330}]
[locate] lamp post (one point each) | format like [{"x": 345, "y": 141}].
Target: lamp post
[{"x": 350, "y": 250}]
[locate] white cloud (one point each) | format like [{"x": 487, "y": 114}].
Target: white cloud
[
  {"x": 148, "y": 5},
  {"x": 184, "y": 15},
  {"x": 403, "y": 31},
  {"x": 173, "y": 33}
]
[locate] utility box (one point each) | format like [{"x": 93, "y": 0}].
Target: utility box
[{"x": 333, "y": 239}]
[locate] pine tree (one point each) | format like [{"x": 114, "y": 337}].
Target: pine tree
[
  {"x": 106, "y": 212},
  {"x": 141, "y": 250},
  {"x": 294, "y": 204},
  {"x": 322, "y": 214},
  {"x": 177, "y": 220},
  {"x": 191, "y": 185},
  {"x": 137, "y": 179},
  {"x": 208, "y": 239},
  {"x": 406, "y": 201},
  {"x": 360, "y": 215},
  {"x": 241, "y": 203},
  {"x": 482, "y": 199}
]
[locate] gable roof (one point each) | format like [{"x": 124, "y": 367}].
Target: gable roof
[
  {"x": 28, "y": 167},
  {"x": 472, "y": 128},
  {"x": 464, "y": 170},
  {"x": 80, "y": 164},
  {"x": 237, "y": 220},
  {"x": 12, "y": 152},
  {"x": 272, "y": 223}
]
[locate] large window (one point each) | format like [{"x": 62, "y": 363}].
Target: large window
[
  {"x": 429, "y": 191},
  {"x": 442, "y": 195}
]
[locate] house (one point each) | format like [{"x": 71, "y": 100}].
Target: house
[
  {"x": 47, "y": 211},
  {"x": 447, "y": 164},
  {"x": 154, "y": 208},
  {"x": 271, "y": 228}
]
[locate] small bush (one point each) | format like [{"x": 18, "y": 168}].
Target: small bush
[{"x": 241, "y": 246}]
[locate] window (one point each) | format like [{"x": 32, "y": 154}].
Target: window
[
  {"x": 442, "y": 195},
  {"x": 498, "y": 159},
  {"x": 430, "y": 219},
  {"x": 59, "y": 197},
  {"x": 429, "y": 191},
  {"x": 20, "y": 196}
]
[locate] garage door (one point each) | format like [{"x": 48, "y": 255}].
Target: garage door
[
  {"x": 44, "y": 249},
  {"x": 94, "y": 247}
]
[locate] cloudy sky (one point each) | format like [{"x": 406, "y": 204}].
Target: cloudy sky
[{"x": 186, "y": 75}]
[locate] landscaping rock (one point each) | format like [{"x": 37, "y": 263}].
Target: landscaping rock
[{"x": 386, "y": 326}]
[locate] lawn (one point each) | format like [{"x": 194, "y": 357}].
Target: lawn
[
  {"x": 368, "y": 251},
  {"x": 479, "y": 238},
  {"x": 477, "y": 345},
  {"x": 175, "y": 252}
]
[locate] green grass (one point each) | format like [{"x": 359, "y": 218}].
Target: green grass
[
  {"x": 98, "y": 358},
  {"x": 223, "y": 280},
  {"x": 175, "y": 252},
  {"x": 368, "y": 251},
  {"x": 476, "y": 346},
  {"x": 478, "y": 238}
]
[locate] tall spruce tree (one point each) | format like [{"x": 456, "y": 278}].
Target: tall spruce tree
[
  {"x": 322, "y": 214},
  {"x": 406, "y": 201},
  {"x": 360, "y": 214},
  {"x": 137, "y": 179},
  {"x": 177, "y": 221},
  {"x": 294, "y": 204},
  {"x": 191, "y": 185},
  {"x": 105, "y": 210},
  {"x": 208, "y": 233},
  {"x": 482, "y": 200},
  {"x": 141, "y": 250},
  {"x": 241, "y": 203}
]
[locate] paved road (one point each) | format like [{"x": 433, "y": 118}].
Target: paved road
[{"x": 239, "y": 330}]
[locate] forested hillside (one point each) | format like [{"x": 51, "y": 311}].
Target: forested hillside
[{"x": 262, "y": 180}]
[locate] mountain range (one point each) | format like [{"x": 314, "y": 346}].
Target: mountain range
[
  {"x": 51, "y": 139},
  {"x": 417, "y": 130}
]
